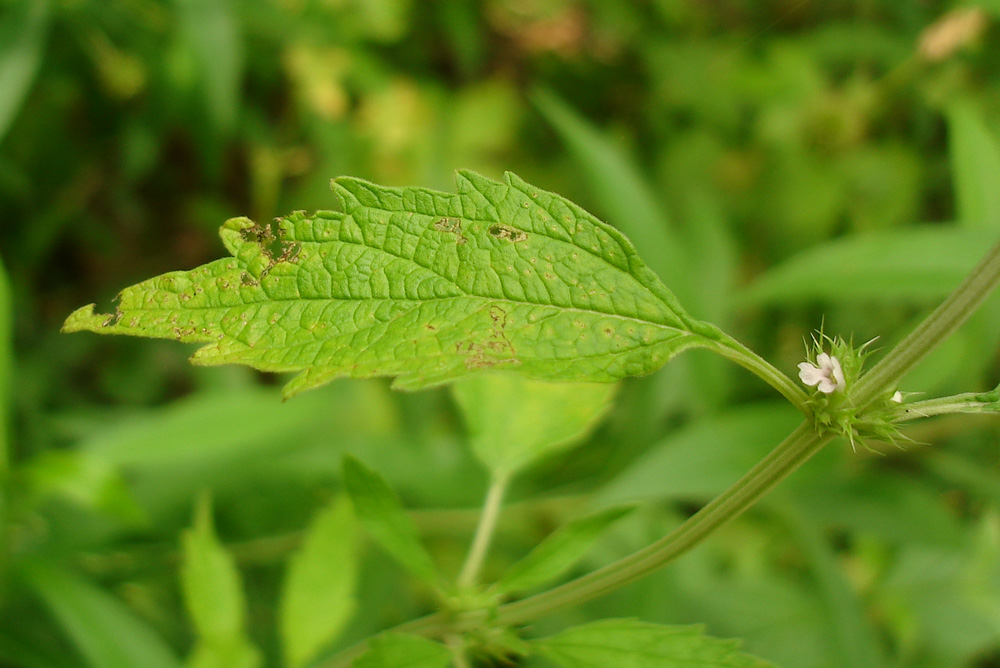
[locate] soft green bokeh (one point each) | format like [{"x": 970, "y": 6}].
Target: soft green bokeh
[{"x": 782, "y": 166}]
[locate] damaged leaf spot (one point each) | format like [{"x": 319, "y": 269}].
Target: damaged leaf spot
[
  {"x": 377, "y": 289},
  {"x": 451, "y": 226},
  {"x": 507, "y": 233}
]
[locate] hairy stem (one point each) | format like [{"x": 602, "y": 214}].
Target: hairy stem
[
  {"x": 791, "y": 453},
  {"x": 484, "y": 531},
  {"x": 944, "y": 320},
  {"x": 751, "y": 361}
]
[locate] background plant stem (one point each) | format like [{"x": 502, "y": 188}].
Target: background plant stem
[{"x": 484, "y": 531}]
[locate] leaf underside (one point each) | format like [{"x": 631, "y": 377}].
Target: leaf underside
[{"x": 420, "y": 285}]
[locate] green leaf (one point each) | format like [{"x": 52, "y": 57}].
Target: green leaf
[
  {"x": 213, "y": 594},
  {"x": 557, "y": 553},
  {"x": 925, "y": 265},
  {"x": 105, "y": 631},
  {"x": 617, "y": 186},
  {"x": 319, "y": 592},
  {"x": 400, "y": 650},
  {"x": 422, "y": 285},
  {"x": 383, "y": 515},
  {"x": 212, "y": 30},
  {"x": 513, "y": 421},
  {"x": 629, "y": 643},
  {"x": 6, "y": 366},
  {"x": 975, "y": 158},
  {"x": 22, "y": 43}
]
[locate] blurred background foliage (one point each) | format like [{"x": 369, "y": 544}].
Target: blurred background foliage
[{"x": 781, "y": 164}]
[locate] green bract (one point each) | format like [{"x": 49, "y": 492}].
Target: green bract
[{"x": 422, "y": 285}]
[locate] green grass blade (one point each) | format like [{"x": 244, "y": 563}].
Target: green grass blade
[
  {"x": 382, "y": 514},
  {"x": 105, "y": 631},
  {"x": 975, "y": 159},
  {"x": 22, "y": 44}
]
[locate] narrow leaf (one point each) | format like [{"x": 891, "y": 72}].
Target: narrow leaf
[
  {"x": 22, "y": 43},
  {"x": 213, "y": 594},
  {"x": 629, "y": 643},
  {"x": 925, "y": 264},
  {"x": 422, "y": 285},
  {"x": 557, "y": 553},
  {"x": 383, "y": 515},
  {"x": 318, "y": 596},
  {"x": 105, "y": 631},
  {"x": 6, "y": 366},
  {"x": 212, "y": 31},
  {"x": 399, "y": 650},
  {"x": 513, "y": 421},
  {"x": 975, "y": 159}
]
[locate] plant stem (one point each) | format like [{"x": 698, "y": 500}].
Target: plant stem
[
  {"x": 484, "y": 531},
  {"x": 791, "y": 453},
  {"x": 944, "y": 320},
  {"x": 799, "y": 446},
  {"x": 748, "y": 359}
]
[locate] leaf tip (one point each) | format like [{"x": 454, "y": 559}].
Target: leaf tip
[{"x": 85, "y": 320}]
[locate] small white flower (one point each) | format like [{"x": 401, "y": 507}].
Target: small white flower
[
  {"x": 827, "y": 377},
  {"x": 897, "y": 396}
]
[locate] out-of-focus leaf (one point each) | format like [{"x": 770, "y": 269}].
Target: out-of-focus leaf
[
  {"x": 22, "y": 42},
  {"x": 619, "y": 189},
  {"x": 213, "y": 594},
  {"x": 703, "y": 458},
  {"x": 852, "y": 634},
  {"x": 629, "y": 643},
  {"x": 400, "y": 650},
  {"x": 105, "y": 631},
  {"x": 916, "y": 264},
  {"x": 211, "y": 426},
  {"x": 6, "y": 366},
  {"x": 90, "y": 482},
  {"x": 949, "y": 595},
  {"x": 318, "y": 595},
  {"x": 212, "y": 29},
  {"x": 380, "y": 511},
  {"x": 513, "y": 421},
  {"x": 975, "y": 159},
  {"x": 558, "y": 552}
]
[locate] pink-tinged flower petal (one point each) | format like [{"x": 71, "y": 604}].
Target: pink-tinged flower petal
[
  {"x": 827, "y": 377},
  {"x": 809, "y": 374}
]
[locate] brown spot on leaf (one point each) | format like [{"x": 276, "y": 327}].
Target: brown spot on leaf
[
  {"x": 507, "y": 233},
  {"x": 451, "y": 226}
]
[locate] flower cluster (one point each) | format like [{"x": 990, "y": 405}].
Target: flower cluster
[{"x": 833, "y": 374}]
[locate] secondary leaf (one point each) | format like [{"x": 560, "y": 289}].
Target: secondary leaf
[
  {"x": 513, "y": 421},
  {"x": 22, "y": 43},
  {"x": 422, "y": 285},
  {"x": 629, "y": 643},
  {"x": 400, "y": 650},
  {"x": 105, "y": 631},
  {"x": 975, "y": 158},
  {"x": 318, "y": 596},
  {"x": 383, "y": 516},
  {"x": 557, "y": 553},
  {"x": 213, "y": 594},
  {"x": 925, "y": 264}
]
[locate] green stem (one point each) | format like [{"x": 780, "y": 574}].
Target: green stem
[
  {"x": 968, "y": 402},
  {"x": 799, "y": 446},
  {"x": 484, "y": 531},
  {"x": 944, "y": 320},
  {"x": 748, "y": 359}
]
